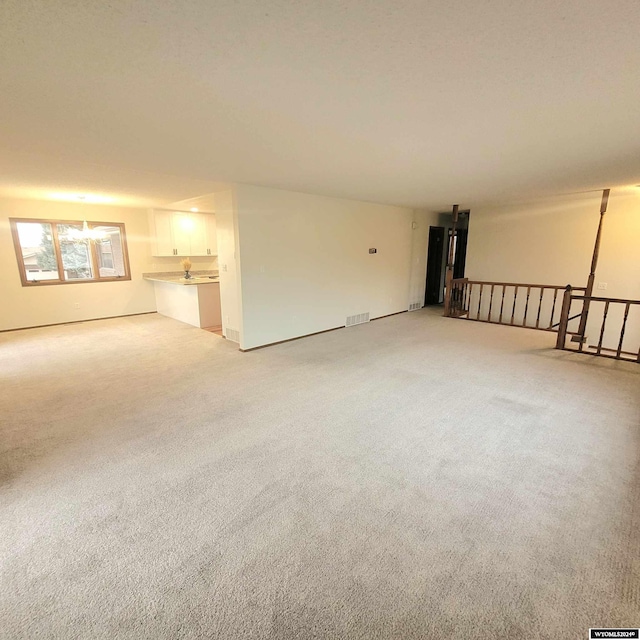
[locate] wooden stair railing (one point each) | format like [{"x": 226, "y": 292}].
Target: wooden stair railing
[
  {"x": 516, "y": 304},
  {"x": 617, "y": 351}
]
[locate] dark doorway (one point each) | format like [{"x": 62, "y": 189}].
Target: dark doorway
[
  {"x": 438, "y": 253},
  {"x": 461, "y": 253},
  {"x": 435, "y": 257}
]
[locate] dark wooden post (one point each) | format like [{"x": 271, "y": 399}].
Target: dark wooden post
[
  {"x": 564, "y": 318},
  {"x": 592, "y": 274},
  {"x": 450, "y": 260}
]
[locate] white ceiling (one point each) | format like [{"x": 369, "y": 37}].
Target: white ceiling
[{"x": 406, "y": 102}]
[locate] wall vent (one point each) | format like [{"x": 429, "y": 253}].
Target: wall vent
[
  {"x": 232, "y": 334},
  {"x": 357, "y": 319},
  {"x": 414, "y": 306}
]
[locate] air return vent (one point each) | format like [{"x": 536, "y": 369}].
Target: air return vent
[
  {"x": 414, "y": 306},
  {"x": 358, "y": 319},
  {"x": 232, "y": 334}
]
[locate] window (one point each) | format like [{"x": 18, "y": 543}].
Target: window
[{"x": 64, "y": 252}]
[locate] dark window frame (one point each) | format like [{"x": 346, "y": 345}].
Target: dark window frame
[{"x": 58, "y": 255}]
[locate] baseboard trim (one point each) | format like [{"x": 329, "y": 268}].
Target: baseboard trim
[
  {"x": 317, "y": 333},
  {"x": 60, "y": 324}
]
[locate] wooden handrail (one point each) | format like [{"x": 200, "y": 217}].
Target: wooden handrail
[
  {"x": 595, "y": 299},
  {"x": 519, "y": 284},
  {"x": 518, "y": 304}
]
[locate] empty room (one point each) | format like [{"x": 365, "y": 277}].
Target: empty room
[{"x": 319, "y": 320}]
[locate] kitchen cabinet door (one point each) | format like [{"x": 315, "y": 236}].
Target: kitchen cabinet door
[
  {"x": 182, "y": 225},
  {"x": 198, "y": 236},
  {"x": 212, "y": 236},
  {"x": 161, "y": 225}
]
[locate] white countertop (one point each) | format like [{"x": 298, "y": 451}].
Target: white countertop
[{"x": 173, "y": 279}]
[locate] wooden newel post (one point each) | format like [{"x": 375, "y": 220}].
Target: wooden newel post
[
  {"x": 450, "y": 260},
  {"x": 592, "y": 273},
  {"x": 564, "y": 318}
]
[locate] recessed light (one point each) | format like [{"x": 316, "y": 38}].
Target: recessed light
[{"x": 194, "y": 209}]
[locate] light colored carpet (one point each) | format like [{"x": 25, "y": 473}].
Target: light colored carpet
[{"x": 416, "y": 477}]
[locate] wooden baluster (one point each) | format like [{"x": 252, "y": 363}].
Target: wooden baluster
[
  {"x": 539, "y": 307},
  {"x": 526, "y": 308},
  {"x": 553, "y": 308},
  {"x": 604, "y": 320},
  {"x": 465, "y": 293},
  {"x": 452, "y": 301},
  {"x": 515, "y": 297},
  {"x": 479, "y": 301},
  {"x": 469, "y": 300},
  {"x": 491, "y": 301},
  {"x": 624, "y": 325},
  {"x": 502, "y": 304},
  {"x": 564, "y": 318}
]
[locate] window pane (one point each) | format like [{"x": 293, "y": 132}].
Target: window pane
[
  {"x": 74, "y": 249},
  {"x": 38, "y": 254},
  {"x": 109, "y": 250}
]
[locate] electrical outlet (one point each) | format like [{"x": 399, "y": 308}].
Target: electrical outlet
[
  {"x": 602, "y": 285},
  {"x": 76, "y": 305},
  {"x": 224, "y": 267}
]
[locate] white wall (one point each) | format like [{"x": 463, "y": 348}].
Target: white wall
[
  {"x": 305, "y": 264},
  {"x": 551, "y": 242},
  {"x": 35, "y": 306},
  {"x": 228, "y": 264}
]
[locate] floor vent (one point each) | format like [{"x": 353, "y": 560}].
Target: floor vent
[
  {"x": 357, "y": 319},
  {"x": 232, "y": 334},
  {"x": 414, "y": 306}
]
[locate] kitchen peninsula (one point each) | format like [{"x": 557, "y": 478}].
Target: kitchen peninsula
[{"x": 195, "y": 301}]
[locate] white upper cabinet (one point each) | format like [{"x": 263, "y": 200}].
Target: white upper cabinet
[
  {"x": 212, "y": 236},
  {"x": 160, "y": 225},
  {"x": 181, "y": 233},
  {"x": 198, "y": 234}
]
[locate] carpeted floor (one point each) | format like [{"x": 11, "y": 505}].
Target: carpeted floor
[{"x": 415, "y": 477}]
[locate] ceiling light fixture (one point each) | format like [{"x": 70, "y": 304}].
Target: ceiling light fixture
[
  {"x": 194, "y": 209},
  {"x": 86, "y": 234}
]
